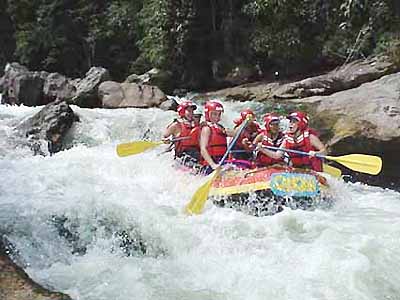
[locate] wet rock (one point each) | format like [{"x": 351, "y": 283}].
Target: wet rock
[
  {"x": 365, "y": 120},
  {"x": 21, "y": 86},
  {"x": 57, "y": 86},
  {"x": 129, "y": 241},
  {"x": 154, "y": 77},
  {"x": 115, "y": 95},
  {"x": 15, "y": 284},
  {"x": 169, "y": 104},
  {"x": 49, "y": 125},
  {"x": 87, "y": 89}
]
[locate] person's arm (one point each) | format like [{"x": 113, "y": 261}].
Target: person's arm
[
  {"x": 253, "y": 144},
  {"x": 204, "y": 138},
  {"x": 172, "y": 130},
  {"x": 317, "y": 144},
  {"x": 273, "y": 154}
]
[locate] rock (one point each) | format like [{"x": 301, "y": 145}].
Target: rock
[
  {"x": 57, "y": 86},
  {"x": 133, "y": 78},
  {"x": 15, "y": 284},
  {"x": 365, "y": 120},
  {"x": 29, "y": 88},
  {"x": 21, "y": 86},
  {"x": 50, "y": 124},
  {"x": 258, "y": 91},
  {"x": 155, "y": 77},
  {"x": 346, "y": 77},
  {"x": 169, "y": 104},
  {"x": 115, "y": 95},
  {"x": 111, "y": 94},
  {"x": 86, "y": 89}
]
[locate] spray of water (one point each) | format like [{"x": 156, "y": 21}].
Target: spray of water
[{"x": 97, "y": 226}]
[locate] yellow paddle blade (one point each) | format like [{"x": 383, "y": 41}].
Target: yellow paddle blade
[
  {"x": 363, "y": 163},
  {"x": 135, "y": 147},
  {"x": 196, "y": 205},
  {"x": 334, "y": 172}
]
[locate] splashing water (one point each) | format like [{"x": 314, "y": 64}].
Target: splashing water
[{"x": 69, "y": 214}]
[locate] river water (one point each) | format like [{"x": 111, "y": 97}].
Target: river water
[{"x": 65, "y": 215}]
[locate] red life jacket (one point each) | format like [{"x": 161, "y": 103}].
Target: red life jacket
[
  {"x": 263, "y": 160},
  {"x": 187, "y": 129},
  {"x": 217, "y": 144},
  {"x": 191, "y": 132},
  {"x": 250, "y": 133},
  {"x": 301, "y": 143}
]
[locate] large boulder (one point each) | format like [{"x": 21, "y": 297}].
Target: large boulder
[
  {"x": 57, "y": 86},
  {"x": 154, "y": 77},
  {"x": 15, "y": 284},
  {"x": 365, "y": 120},
  {"x": 49, "y": 125},
  {"x": 21, "y": 86},
  {"x": 118, "y": 95},
  {"x": 87, "y": 89}
]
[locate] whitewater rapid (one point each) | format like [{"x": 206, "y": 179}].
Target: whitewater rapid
[{"x": 350, "y": 251}]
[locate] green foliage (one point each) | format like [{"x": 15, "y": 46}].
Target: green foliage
[
  {"x": 198, "y": 41},
  {"x": 154, "y": 44},
  {"x": 356, "y": 29},
  {"x": 7, "y": 40},
  {"x": 286, "y": 31},
  {"x": 71, "y": 36}
]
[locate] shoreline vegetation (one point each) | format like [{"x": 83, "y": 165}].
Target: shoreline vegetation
[{"x": 201, "y": 45}]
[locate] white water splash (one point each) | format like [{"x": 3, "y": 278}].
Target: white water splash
[{"x": 348, "y": 252}]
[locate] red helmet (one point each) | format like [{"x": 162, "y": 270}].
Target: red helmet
[
  {"x": 243, "y": 116},
  {"x": 185, "y": 105},
  {"x": 301, "y": 118},
  {"x": 268, "y": 118},
  {"x": 212, "y": 106}
]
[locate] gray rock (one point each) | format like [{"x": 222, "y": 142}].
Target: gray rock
[
  {"x": 169, "y": 104},
  {"x": 115, "y": 95},
  {"x": 154, "y": 77},
  {"x": 15, "y": 284},
  {"x": 87, "y": 89},
  {"x": 57, "y": 86},
  {"x": 365, "y": 120},
  {"x": 50, "y": 125}
]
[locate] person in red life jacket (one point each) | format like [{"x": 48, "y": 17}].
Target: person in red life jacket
[
  {"x": 298, "y": 137},
  {"x": 213, "y": 137},
  {"x": 242, "y": 149},
  {"x": 185, "y": 131},
  {"x": 270, "y": 136}
]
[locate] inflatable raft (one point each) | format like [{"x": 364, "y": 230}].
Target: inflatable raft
[{"x": 264, "y": 191}]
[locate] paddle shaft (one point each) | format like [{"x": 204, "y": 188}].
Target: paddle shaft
[
  {"x": 294, "y": 151},
  {"x": 233, "y": 142}
]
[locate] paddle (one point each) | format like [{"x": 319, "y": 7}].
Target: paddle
[
  {"x": 363, "y": 163},
  {"x": 196, "y": 204},
  {"x": 335, "y": 172},
  {"x": 140, "y": 146}
]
